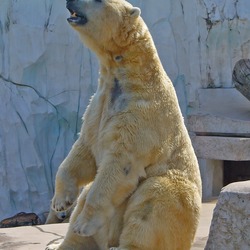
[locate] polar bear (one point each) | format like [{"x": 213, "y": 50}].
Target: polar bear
[{"x": 134, "y": 155}]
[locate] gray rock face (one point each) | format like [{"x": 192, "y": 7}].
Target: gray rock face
[
  {"x": 230, "y": 228},
  {"x": 46, "y": 80},
  {"x": 47, "y": 77}
]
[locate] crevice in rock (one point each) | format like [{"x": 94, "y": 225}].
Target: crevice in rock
[
  {"x": 48, "y": 232},
  {"x": 55, "y": 241},
  {"x": 22, "y": 121},
  {"x": 58, "y": 116},
  {"x": 182, "y": 8},
  {"x": 7, "y": 22},
  {"x": 28, "y": 86},
  {"x": 47, "y": 22},
  {"x": 235, "y": 5},
  {"x": 14, "y": 245}
]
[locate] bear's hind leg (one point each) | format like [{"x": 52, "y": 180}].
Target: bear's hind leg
[{"x": 162, "y": 214}]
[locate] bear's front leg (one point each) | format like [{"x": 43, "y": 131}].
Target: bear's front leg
[
  {"x": 76, "y": 170},
  {"x": 74, "y": 241},
  {"x": 115, "y": 181}
]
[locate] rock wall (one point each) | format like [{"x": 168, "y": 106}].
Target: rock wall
[{"x": 47, "y": 77}]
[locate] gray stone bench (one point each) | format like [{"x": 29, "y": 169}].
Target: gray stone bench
[
  {"x": 230, "y": 227},
  {"x": 220, "y": 131},
  {"x": 221, "y": 127}
]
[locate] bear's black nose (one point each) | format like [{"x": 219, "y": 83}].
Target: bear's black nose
[{"x": 70, "y": 1}]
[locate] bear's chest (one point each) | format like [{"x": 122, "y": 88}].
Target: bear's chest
[
  {"x": 118, "y": 99},
  {"x": 104, "y": 115}
]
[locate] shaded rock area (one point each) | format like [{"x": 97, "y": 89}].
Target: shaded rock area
[{"x": 21, "y": 219}]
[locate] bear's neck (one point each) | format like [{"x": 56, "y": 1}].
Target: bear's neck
[
  {"x": 139, "y": 47},
  {"x": 138, "y": 58}
]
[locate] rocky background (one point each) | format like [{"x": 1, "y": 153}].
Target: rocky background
[{"x": 47, "y": 77}]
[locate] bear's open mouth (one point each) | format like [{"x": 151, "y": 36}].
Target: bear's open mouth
[{"x": 76, "y": 18}]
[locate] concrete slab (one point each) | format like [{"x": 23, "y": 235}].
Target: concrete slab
[
  {"x": 37, "y": 237},
  {"x": 221, "y": 148},
  {"x": 204, "y": 225}
]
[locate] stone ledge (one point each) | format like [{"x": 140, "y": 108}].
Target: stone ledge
[
  {"x": 212, "y": 124},
  {"x": 221, "y": 148},
  {"x": 37, "y": 237}
]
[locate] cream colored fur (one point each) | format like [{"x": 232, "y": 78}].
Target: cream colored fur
[{"x": 133, "y": 145}]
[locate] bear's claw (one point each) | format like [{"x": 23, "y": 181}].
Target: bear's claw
[{"x": 62, "y": 204}]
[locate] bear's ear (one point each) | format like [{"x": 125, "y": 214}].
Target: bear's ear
[{"x": 135, "y": 12}]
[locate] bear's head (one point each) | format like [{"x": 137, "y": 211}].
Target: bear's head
[{"x": 105, "y": 24}]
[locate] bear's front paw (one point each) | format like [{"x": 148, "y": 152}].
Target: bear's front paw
[
  {"x": 89, "y": 227},
  {"x": 63, "y": 202}
]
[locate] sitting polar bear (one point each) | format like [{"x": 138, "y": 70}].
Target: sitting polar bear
[{"x": 143, "y": 186}]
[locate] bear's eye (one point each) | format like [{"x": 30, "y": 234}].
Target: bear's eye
[{"x": 99, "y": 1}]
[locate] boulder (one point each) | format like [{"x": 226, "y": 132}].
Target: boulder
[
  {"x": 230, "y": 227},
  {"x": 21, "y": 219}
]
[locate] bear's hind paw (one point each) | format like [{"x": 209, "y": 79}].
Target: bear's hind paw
[
  {"x": 83, "y": 229},
  {"x": 87, "y": 228},
  {"x": 53, "y": 246},
  {"x": 117, "y": 248}
]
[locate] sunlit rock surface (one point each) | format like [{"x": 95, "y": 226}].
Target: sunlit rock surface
[{"x": 47, "y": 77}]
